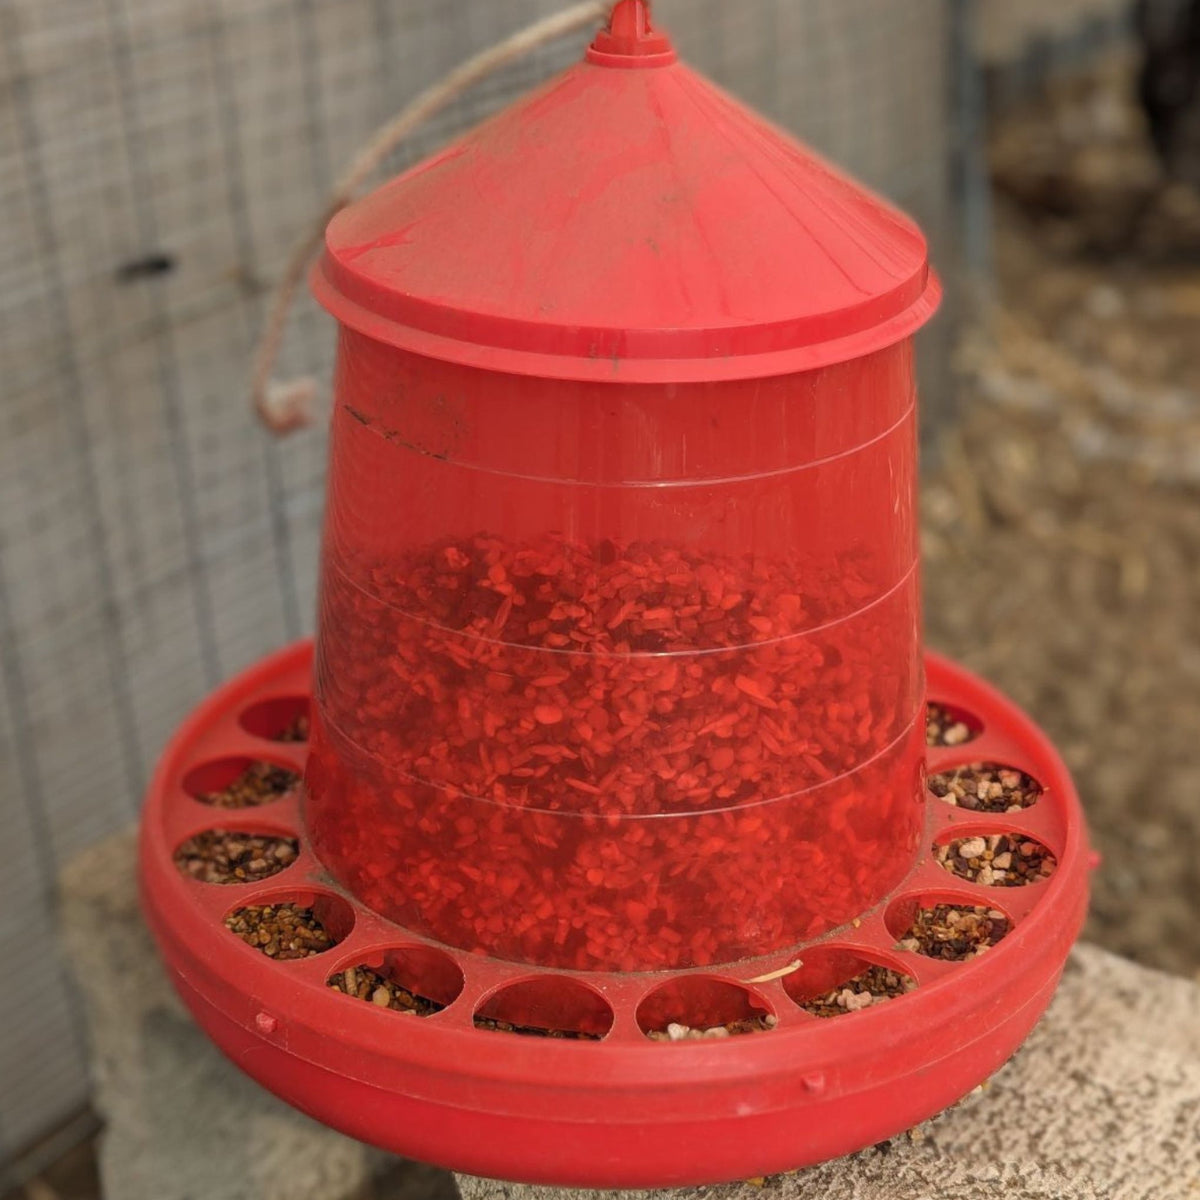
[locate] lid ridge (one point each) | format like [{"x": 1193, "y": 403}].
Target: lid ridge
[{"x": 632, "y": 226}]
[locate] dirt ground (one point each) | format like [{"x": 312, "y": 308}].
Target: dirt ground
[{"x": 1062, "y": 527}]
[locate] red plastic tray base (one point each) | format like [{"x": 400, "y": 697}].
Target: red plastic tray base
[{"x": 624, "y": 1111}]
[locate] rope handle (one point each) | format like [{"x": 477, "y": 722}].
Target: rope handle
[{"x": 285, "y": 405}]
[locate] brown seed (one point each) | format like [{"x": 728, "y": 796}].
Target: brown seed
[
  {"x": 986, "y": 787},
  {"x": 943, "y": 728},
  {"x": 954, "y": 934},
  {"x": 988, "y": 864},
  {"x": 367, "y": 984},
  {"x": 259, "y": 783},
  {"x": 678, "y": 1032},
  {"x": 296, "y": 730},
  {"x": 285, "y": 931},
  {"x": 573, "y": 1035},
  {"x": 873, "y": 986},
  {"x": 219, "y": 857}
]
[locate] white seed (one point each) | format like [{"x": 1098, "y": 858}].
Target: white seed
[
  {"x": 381, "y": 997},
  {"x": 972, "y": 847}
]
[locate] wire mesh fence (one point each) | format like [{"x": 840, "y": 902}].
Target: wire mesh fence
[
  {"x": 1008, "y": 29},
  {"x": 157, "y": 158},
  {"x": 1022, "y": 45}
]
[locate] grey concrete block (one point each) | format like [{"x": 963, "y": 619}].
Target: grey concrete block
[
  {"x": 181, "y": 1122},
  {"x": 1102, "y": 1103}
]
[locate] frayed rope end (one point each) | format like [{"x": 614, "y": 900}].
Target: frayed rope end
[{"x": 287, "y": 406}]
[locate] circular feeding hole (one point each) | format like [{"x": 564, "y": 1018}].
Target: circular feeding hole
[
  {"x": 948, "y": 725},
  {"x": 945, "y": 928},
  {"x": 834, "y": 980},
  {"x": 282, "y": 719},
  {"x": 417, "y": 980},
  {"x": 697, "y": 1006},
  {"x": 239, "y": 782},
  {"x": 986, "y": 787},
  {"x": 996, "y": 859},
  {"x": 292, "y": 928},
  {"x": 550, "y": 1006},
  {"x": 228, "y": 856}
]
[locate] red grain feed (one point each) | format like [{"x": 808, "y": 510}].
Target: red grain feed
[{"x": 615, "y": 757}]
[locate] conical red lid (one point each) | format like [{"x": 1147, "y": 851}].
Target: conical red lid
[{"x": 628, "y": 221}]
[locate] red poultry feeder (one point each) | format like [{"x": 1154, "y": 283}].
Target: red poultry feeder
[{"x": 618, "y": 702}]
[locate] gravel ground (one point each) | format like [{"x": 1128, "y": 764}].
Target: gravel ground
[{"x": 1062, "y": 525}]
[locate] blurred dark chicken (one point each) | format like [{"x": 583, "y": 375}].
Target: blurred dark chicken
[{"x": 1169, "y": 82}]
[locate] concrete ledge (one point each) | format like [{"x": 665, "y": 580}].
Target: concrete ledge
[
  {"x": 1103, "y": 1103},
  {"x": 181, "y": 1122}
]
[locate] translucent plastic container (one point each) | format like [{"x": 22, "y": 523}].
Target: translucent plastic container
[
  {"x": 618, "y": 676},
  {"x": 618, "y": 657}
]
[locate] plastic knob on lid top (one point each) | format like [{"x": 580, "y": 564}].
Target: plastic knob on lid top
[{"x": 631, "y": 40}]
